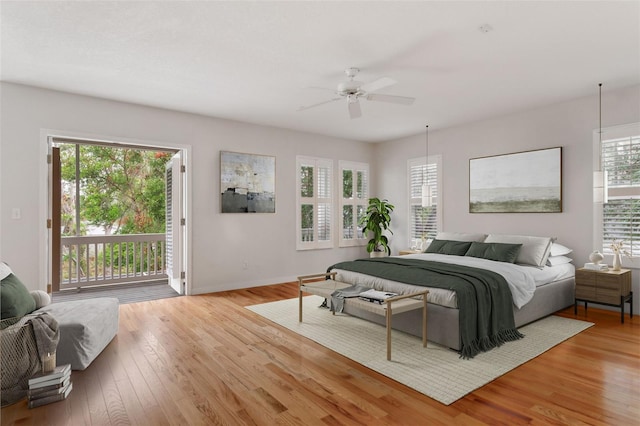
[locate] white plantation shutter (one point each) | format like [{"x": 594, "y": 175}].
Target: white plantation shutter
[
  {"x": 620, "y": 157},
  {"x": 314, "y": 199},
  {"x": 423, "y": 221},
  {"x": 353, "y": 199}
]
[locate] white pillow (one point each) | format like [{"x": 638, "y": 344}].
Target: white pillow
[
  {"x": 534, "y": 251},
  {"x": 460, "y": 236},
  {"x": 42, "y": 298},
  {"x": 5, "y": 271},
  {"x": 558, "y": 260},
  {"x": 559, "y": 250}
]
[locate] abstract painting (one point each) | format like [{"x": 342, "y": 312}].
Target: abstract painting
[
  {"x": 522, "y": 182},
  {"x": 247, "y": 183}
]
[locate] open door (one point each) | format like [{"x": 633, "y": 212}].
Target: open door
[
  {"x": 174, "y": 224},
  {"x": 55, "y": 194}
]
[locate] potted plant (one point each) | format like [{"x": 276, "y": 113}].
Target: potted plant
[{"x": 376, "y": 220}]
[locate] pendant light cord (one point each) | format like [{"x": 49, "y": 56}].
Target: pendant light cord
[{"x": 600, "y": 125}]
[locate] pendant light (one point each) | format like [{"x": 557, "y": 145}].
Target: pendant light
[
  {"x": 600, "y": 189},
  {"x": 426, "y": 188}
]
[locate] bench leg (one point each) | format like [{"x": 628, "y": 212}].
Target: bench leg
[
  {"x": 424, "y": 322},
  {"x": 299, "y": 305},
  {"x": 388, "y": 331}
]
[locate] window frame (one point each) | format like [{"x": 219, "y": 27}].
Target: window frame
[
  {"x": 432, "y": 160},
  {"x": 615, "y": 132},
  {"x": 354, "y": 201},
  {"x": 316, "y": 163}
]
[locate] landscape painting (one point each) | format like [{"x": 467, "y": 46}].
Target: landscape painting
[
  {"x": 522, "y": 182},
  {"x": 247, "y": 182}
]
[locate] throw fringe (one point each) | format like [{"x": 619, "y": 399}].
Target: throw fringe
[{"x": 489, "y": 342}]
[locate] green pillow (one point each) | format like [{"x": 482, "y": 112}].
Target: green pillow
[
  {"x": 15, "y": 299},
  {"x": 500, "y": 252},
  {"x": 456, "y": 248}
]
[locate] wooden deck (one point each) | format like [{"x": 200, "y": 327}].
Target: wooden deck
[{"x": 126, "y": 293}]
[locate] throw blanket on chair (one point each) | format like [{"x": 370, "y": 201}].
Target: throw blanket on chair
[
  {"x": 484, "y": 299},
  {"x": 24, "y": 344}
]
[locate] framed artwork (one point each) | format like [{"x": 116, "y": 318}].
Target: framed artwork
[
  {"x": 522, "y": 182},
  {"x": 247, "y": 183}
]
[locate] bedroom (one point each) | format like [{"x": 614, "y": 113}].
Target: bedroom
[{"x": 225, "y": 241}]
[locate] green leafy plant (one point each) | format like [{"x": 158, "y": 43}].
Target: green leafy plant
[{"x": 376, "y": 220}]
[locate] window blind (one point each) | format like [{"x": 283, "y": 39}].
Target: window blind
[
  {"x": 422, "y": 220},
  {"x": 315, "y": 199},
  {"x": 621, "y": 215},
  {"x": 353, "y": 197}
]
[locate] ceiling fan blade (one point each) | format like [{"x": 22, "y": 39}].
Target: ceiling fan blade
[
  {"x": 354, "y": 109},
  {"x": 403, "y": 100},
  {"x": 378, "y": 84},
  {"x": 302, "y": 108}
]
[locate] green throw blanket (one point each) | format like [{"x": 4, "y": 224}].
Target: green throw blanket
[{"x": 484, "y": 298}]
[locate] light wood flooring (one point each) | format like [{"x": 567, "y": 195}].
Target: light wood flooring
[{"x": 203, "y": 360}]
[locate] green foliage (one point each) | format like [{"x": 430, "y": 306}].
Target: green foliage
[
  {"x": 376, "y": 220},
  {"x": 122, "y": 190}
]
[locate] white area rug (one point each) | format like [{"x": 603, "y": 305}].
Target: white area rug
[{"x": 435, "y": 371}]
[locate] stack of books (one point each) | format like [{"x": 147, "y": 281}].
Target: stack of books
[
  {"x": 45, "y": 388},
  {"x": 596, "y": 266},
  {"x": 376, "y": 296}
]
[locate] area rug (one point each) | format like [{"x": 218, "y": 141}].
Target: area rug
[{"x": 435, "y": 371}]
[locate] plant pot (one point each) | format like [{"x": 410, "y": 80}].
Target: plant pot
[{"x": 378, "y": 254}]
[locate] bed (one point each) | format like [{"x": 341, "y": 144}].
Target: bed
[{"x": 540, "y": 280}]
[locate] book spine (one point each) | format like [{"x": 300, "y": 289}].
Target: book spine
[
  {"x": 60, "y": 371},
  {"x": 369, "y": 299},
  {"x": 33, "y": 403},
  {"x": 47, "y": 388},
  {"x": 47, "y": 383}
]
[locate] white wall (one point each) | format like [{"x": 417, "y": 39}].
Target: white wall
[
  {"x": 220, "y": 242},
  {"x": 569, "y": 124}
]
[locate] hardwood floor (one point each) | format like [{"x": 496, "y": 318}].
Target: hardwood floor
[{"x": 203, "y": 360}]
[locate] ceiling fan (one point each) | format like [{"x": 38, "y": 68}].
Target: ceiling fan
[{"x": 352, "y": 90}]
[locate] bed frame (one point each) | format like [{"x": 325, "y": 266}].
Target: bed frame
[{"x": 442, "y": 322}]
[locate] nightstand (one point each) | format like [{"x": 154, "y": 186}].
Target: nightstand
[
  {"x": 409, "y": 251},
  {"x": 611, "y": 288}
]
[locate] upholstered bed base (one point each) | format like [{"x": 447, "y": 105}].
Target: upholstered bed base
[{"x": 442, "y": 322}]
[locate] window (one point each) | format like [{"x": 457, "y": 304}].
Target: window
[
  {"x": 424, "y": 222},
  {"x": 314, "y": 196},
  {"x": 620, "y": 216},
  {"x": 354, "y": 193}
]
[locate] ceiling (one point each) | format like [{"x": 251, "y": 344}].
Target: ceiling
[{"x": 258, "y": 62}]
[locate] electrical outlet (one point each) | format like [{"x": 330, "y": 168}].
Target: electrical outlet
[
  {"x": 16, "y": 213},
  {"x": 245, "y": 264}
]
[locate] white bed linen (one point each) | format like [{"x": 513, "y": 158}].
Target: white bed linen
[{"x": 522, "y": 280}]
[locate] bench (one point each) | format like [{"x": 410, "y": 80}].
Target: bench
[{"x": 314, "y": 284}]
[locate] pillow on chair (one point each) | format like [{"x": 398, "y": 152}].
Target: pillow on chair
[
  {"x": 15, "y": 299},
  {"x": 4, "y": 270},
  {"x": 42, "y": 298}
]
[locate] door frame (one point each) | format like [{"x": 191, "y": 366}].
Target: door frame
[{"x": 45, "y": 189}]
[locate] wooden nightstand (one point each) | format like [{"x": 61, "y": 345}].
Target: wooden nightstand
[
  {"x": 409, "y": 251},
  {"x": 611, "y": 288}
]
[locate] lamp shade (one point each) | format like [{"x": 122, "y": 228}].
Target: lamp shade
[
  {"x": 427, "y": 197},
  {"x": 600, "y": 187}
]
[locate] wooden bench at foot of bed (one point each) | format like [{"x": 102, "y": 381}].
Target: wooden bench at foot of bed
[{"x": 393, "y": 305}]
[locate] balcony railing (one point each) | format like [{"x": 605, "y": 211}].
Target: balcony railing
[{"x": 112, "y": 259}]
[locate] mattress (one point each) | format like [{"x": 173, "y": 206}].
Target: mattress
[{"x": 522, "y": 280}]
